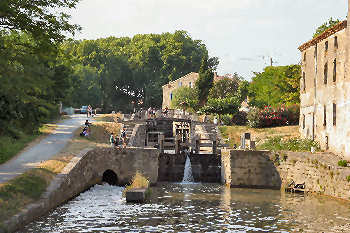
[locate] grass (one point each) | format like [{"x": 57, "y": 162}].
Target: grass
[
  {"x": 28, "y": 187},
  {"x": 233, "y": 133},
  {"x": 138, "y": 181},
  {"x": 277, "y": 143},
  {"x": 11, "y": 146}
]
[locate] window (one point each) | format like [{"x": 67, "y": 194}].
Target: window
[
  {"x": 190, "y": 84},
  {"x": 315, "y": 52},
  {"x": 336, "y": 42},
  {"x": 325, "y": 72},
  {"x": 171, "y": 96},
  {"x": 180, "y": 84},
  {"x": 335, "y": 70},
  {"x": 334, "y": 114},
  {"x": 305, "y": 57},
  {"x": 324, "y": 115},
  {"x": 326, "y": 46},
  {"x": 304, "y": 87},
  {"x": 303, "y": 121}
]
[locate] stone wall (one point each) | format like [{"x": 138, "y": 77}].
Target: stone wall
[
  {"x": 205, "y": 167},
  {"x": 138, "y": 136},
  {"x": 86, "y": 170},
  {"x": 263, "y": 169}
]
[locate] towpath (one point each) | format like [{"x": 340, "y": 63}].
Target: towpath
[{"x": 44, "y": 150}]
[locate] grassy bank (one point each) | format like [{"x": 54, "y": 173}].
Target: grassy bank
[
  {"x": 11, "y": 146},
  {"x": 233, "y": 133},
  {"x": 28, "y": 187}
]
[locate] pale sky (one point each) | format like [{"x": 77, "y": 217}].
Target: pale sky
[{"x": 242, "y": 33}]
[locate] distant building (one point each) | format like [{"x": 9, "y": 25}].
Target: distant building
[
  {"x": 325, "y": 89},
  {"x": 188, "y": 80}
]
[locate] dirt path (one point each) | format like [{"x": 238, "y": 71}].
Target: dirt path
[{"x": 44, "y": 150}]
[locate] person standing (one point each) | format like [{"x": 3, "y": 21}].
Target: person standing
[
  {"x": 89, "y": 111},
  {"x": 123, "y": 136},
  {"x": 112, "y": 140}
]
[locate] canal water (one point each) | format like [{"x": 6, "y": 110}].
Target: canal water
[{"x": 196, "y": 208}]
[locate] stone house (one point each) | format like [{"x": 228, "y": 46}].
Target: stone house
[
  {"x": 325, "y": 89},
  {"x": 188, "y": 80}
]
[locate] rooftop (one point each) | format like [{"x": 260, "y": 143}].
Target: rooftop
[{"x": 336, "y": 28}]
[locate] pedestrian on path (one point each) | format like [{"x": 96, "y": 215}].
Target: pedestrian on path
[{"x": 112, "y": 140}]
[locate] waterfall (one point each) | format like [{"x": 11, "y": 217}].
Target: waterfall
[{"x": 188, "y": 177}]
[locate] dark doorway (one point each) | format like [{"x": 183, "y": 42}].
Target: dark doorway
[{"x": 110, "y": 177}]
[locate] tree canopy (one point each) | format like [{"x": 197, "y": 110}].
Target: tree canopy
[
  {"x": 275, "y": 85},
  {"x": 330, "y": 23}
]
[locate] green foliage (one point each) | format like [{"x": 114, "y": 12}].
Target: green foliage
[
  {"x": 293, "y": 144},
  {"x": 342, "y": 163},
  {"x": 324, "y": 27},
  {"x": 274, "y": 86},
  {"x": 39, "y": 18},
  {"x": 185, "y": 98},
  {"x": 270, "y": 117},
  {"x": 220, "y": 106},
  {"x": 205, "y": 81},
  {"x": 11, "y": 146},
  {"x": 224, "y": 88},
  {"x": 240, "y": 118},
  {"x": 114, "y": 73},
  {"x": 348, "y": 178}
]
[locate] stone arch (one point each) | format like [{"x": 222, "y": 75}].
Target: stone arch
[{"x": 110, "y": 177}]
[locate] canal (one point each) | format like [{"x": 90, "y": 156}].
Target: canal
[{"x": 196, "y": 208}]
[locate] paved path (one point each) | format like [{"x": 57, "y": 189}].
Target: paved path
[{"x": 44, "y": 150}]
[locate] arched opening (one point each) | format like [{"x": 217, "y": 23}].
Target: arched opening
[{"x": 110, "y": 177}]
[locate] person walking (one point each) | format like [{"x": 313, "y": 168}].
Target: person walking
[{"x": 123, "y": 136}]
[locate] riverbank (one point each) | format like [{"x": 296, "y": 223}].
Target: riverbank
[{"x": 19, "y": 193}]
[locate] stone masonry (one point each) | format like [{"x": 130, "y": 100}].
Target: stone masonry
[{"x": 325, "y": 89}]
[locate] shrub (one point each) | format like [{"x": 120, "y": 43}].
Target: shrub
[
  {"x": 253, "y": 118},
  {"x": 342, "y": 163},
  {"x": 240, "y": 118},
  {"x": 293, "y": 144},
  {"x": 270, "y": 117},
  {"x": 226, "y": 119},
  {"x": 348, "y": 178}
]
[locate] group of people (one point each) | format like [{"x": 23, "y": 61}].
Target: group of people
[
  {"x": 89, "y": 112},
  {"x": 115, "y": 141},
  {"x": 86, "y": 130}
]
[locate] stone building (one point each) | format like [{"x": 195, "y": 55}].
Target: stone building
[
  {"x": 188, "y": 80},
  {"x": 325, "y": 89}
]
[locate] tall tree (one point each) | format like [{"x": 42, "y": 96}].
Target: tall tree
[{"x": 205, "y": 81}]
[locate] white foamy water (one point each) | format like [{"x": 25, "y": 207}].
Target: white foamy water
[{"x": 188, "y": 177}]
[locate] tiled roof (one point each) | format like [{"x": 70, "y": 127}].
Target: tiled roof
[{"x": 336, "y": 28}]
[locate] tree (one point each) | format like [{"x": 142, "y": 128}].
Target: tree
[
  {"x": 39, "y": 18},
  {"x": 222, "y": 106},
  {"x": 325, "y": 26},
  {"x": 205, "y": 81},
  {"x": 185, "y": 98},
  {"x": 223, "y": 88},
  {"x": 275, "y": 85}
]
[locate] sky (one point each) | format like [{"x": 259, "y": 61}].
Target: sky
[{"x": 244, "y": 34}]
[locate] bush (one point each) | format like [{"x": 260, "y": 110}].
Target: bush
[
  {"x": 293, "y": 144},
  {"x": 342, "y": 163},
  {"x": 348, "y": 178},
  {"x": 240, "y": 118},
  {"x": 271, "y": 117},
  {"x": 226, "y": 119},
  {"x": 253, "y": 118}
]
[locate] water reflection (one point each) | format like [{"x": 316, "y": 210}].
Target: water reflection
[{"x": 196, "y": 208}]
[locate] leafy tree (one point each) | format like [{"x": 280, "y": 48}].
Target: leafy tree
[
  {"x": 40, "y": 18},
  {"x": 185, "y": 98},
  {"x": 275, "y": 85},
  {"x": 205, "y": 81},
  {"x": 223, "y": 88},
  {"x": 222, "y": 106},
  {"x": 330, "y": 23}
]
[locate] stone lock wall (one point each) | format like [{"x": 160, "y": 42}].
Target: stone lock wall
[
  {"x": 84, "y": 171},
  {"x": 264, "y": 169},
  {"x": 205, "y": 167}
]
